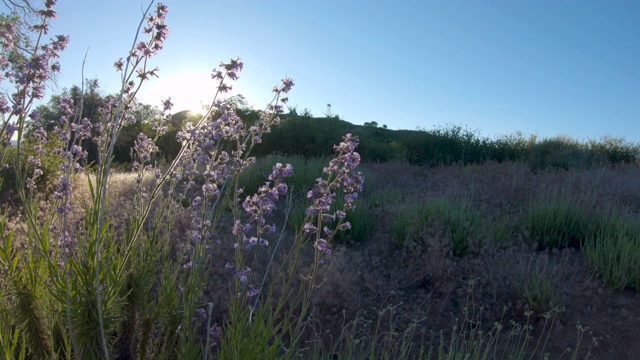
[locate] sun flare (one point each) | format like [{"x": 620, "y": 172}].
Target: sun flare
[{"x": 188, "y": 91}]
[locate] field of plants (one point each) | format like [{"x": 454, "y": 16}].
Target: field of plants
[
  {"x": 245, "y": 234},
  {"x": 461, "y": 252}
]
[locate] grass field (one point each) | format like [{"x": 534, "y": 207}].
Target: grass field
[{"x": 482, "y": 261}]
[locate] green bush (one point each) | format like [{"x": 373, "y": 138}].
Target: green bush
[
  {"x": 502, "y": 231},
  {"x": 616, "y": 150},
  {"x": 168, "y": 145},
  {"x": 306, "y": 137},
  {"x": 403, "y": 226},
  {"x": 512, "y": 147},
  {"x": 540, "y": 294},
  {"x": 443, "y": 145},
  {"x": 306, "y": 171},
  {"x": 127, "y": 139},
  {"x": 441, "y": 219},
  {"x": 614, "y": 251},
  {"x": 558, "y": 224},
  {"x": 298, "y": 214},
  {"x": 565, "y": 153},
  {"x": 362, "y": 220},
  {"x": 50, "y": 164}
]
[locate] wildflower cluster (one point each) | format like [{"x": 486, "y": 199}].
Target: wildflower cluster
[
  {"x": 39, "y": 65},
  {"x": 340, "y": 177},
  {"x": 217, "y": 148},
  {"x": 72, "y": 131},
  {"x": 206, "y": 162},
  {"x": 262, "y": 204},
  {"x": 141, "y": 271},
  {"x": 7, "y": 37},
  {"x": 258, "y": 206},
  {"x": 157, "y": 31},
  {"x": 118, "y": 111},
  {"x": 28, "y": 64},
  {"x": 8, "y": 32},
  {"x": 40, "y": 136},
  {"x": 231, "y": 71}
]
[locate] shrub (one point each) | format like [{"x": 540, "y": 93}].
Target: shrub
[
  {"x": 565, "y": 153},
  {"x": 512, "y": 147},
  {"x": 307, "y": 171},
  {"x": 403, "y": 224},
  {"x": 439, "y": 219},
  {"x": 362, "y": 220},
  {"x": 614, "y": 251},
  {"x": 502, "y": 230},
  {"x": 48, "y": 163},
  {"x": 616, "y": 150},
  {"x": 304, "y": 137},
  {"x": 558, "y": 224}
]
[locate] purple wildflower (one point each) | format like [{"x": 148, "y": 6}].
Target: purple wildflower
[
  {"x": 340, "y": 175},
  {"x": 118, "y": 64},
  {"x": 252, "y": 291},
  {"x": 310, "y": 228},
  {"x": 323, "y": 246}
]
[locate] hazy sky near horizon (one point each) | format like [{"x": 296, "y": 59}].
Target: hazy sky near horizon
[{"x": 541, "y": 67}]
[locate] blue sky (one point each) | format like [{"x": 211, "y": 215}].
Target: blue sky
[{"x": 541, "y": 67}]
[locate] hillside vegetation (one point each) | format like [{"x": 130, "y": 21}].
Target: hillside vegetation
[{"x": 451, "y": 144}]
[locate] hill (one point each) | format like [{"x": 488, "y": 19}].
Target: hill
[{"x": 452, "y": 144}]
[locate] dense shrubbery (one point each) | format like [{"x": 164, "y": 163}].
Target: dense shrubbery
[
  {"x": 47, "y": 164},
  {"x": 452, "y": 144}
]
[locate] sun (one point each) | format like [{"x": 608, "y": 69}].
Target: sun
[{"x": 189, "y": 90}]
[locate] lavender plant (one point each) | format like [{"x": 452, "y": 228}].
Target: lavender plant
[
  {"x": 80, "y": 287},
  {"x": 26, "y": 65},
  {"x": 276, "y": 321}
]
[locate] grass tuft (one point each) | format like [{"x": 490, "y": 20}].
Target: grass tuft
[
  {"x": 440, "y": 219},
  {"x": 614, "y": 251},
  {"x": 558, "y": 224}
]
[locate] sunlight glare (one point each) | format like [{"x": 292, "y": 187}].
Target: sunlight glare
[{"x": 190, "y": 90}]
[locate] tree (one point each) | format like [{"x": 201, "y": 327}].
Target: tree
[
  {"x": 93, "y": 100},
  {"x": 239, "y": 102},
  {"x": 306, "y": 113},
  {"x": 145, "y": 113},
  {"x": 178, "y": 119},
  {"x": 293, "y": 111},
  {"x": 49, "y": 114}
]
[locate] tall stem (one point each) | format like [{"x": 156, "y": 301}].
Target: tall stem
[{"x": 104, "y": 176}]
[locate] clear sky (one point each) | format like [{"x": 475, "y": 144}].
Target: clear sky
[{"x": 541, "y": 67}]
